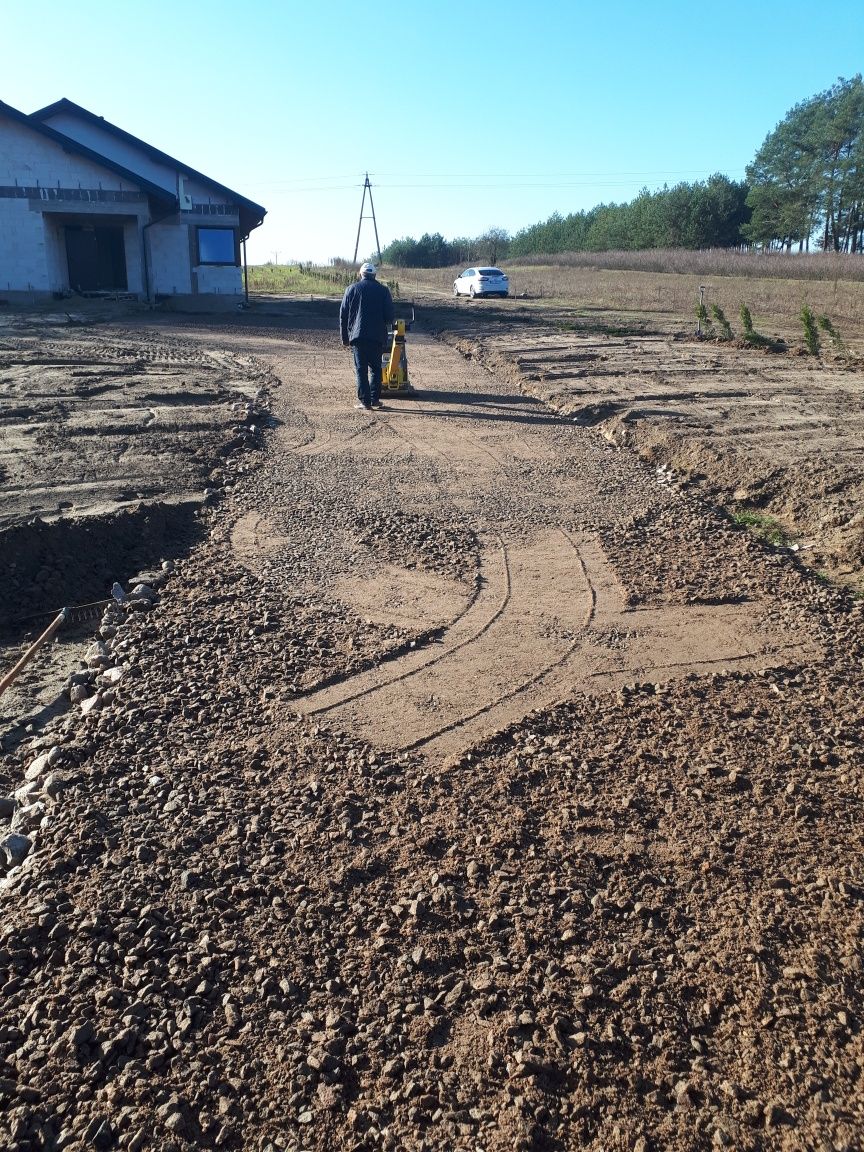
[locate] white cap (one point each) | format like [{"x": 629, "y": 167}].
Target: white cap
[{"x": 368, "y": 269}]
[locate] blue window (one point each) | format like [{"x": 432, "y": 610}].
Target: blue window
[{"x": 217, "y": 246}]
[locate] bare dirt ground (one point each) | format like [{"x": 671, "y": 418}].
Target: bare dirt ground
[
  {"x": 766, "y": 433},
  {"x": 469, "y": 785},
  {"x": 109, "y": 438},
  {"x": 774, "y": 436},
  {"x": 96, "y": 417}
]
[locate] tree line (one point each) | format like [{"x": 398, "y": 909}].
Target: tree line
[
  {"x": 433, "y": 251},
  {"x": 807, "y": 179},
  {"x": 805, "y": 184}
]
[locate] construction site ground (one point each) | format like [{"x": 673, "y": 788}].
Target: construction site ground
[{"x": 473, "y": 781}]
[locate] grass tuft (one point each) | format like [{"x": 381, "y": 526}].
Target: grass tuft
[{"x": 763, "y": 526}]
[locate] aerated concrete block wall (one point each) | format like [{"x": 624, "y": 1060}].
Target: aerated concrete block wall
[
  {"x": 24, "y": 263},
  {"x": 55, "y": 253},
  {"x": 27, "y": 159},
  {"x": 168, "y": 249},
  {"x": 220, "y": 279},
  {"x": 61, "y": 186},
  {"x": 32, "y": 249},
  {"x": 133, "y": 245}
]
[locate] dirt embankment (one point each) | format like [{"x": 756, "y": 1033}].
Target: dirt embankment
[{"x": 112, "y": 436}]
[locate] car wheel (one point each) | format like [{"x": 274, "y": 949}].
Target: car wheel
[
  {"x": 455, "y": 290},
  {"x": 471, "y": 291}
]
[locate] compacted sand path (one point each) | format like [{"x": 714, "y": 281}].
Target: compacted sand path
[{"x": 545, "y": 594}]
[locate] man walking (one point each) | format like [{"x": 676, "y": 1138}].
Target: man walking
[{"x": 366, "y": 312}]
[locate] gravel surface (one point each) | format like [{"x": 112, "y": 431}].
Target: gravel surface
[
  {"x": 630, "y": 918},
  {"x": 776, "y": 436}
]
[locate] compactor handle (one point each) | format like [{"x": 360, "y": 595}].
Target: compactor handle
[{"x": 391, "y": 328}]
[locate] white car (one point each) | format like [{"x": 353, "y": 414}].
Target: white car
[{"x": 481, "y": 282}]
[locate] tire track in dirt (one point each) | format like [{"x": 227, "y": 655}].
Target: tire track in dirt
[
  {"x": 467, "y": 627},
  {"x": 549, "y": 617},
  {"x": 535, "y": 649},
  {"x": 441, "y": 739}
]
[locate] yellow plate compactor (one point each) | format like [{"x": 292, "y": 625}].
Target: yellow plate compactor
[{"x": 394, "y": 364}]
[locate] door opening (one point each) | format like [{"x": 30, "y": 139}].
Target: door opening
[{"x": 96, "y": 257}]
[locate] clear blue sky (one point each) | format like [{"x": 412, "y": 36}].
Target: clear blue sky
[{"x": 467, "y": 114}]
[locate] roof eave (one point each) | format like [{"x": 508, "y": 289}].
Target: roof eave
[
  {"x": 256, "y": 211},
  {"x": 72, "y": 147}
]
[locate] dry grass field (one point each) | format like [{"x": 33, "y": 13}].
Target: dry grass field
[{"x": 668, "y": 299}]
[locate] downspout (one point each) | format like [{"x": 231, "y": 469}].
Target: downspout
[
  {"x": 243, "y": 239},
  {"x": 146, "y": 262}
]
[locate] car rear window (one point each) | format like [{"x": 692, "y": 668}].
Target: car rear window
[{"x": 490, "y": 271}]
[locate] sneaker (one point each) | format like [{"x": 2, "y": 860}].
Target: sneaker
[
  {"x": 362, "y": 407},
  {"x": 378, "y": 404}
]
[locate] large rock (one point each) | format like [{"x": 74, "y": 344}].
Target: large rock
[
  {"x": 143, "y": 592},
  {"x": 56, "y": 784},
  {"x": 28, "y": 817},
  {"x": 31, "y": 788},
  {"x": 15, "y": 847},
  {"x": 39, "y": 767}
]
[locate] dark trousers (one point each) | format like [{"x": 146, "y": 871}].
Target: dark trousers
[{"x": 367, "y": 365}]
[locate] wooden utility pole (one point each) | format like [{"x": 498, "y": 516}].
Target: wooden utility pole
[{"x": 367, "y": 187}]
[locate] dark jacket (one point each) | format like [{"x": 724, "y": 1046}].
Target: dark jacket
[{"x": 367, "y": 309}]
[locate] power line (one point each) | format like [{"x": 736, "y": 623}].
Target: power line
[
  {"x": 359, "y": 177},
  {"x": 532, "y": 175},
  {"x": 274, "y": 191},
  {"x": 306, "y": 179},
  {"x": 487, "y": 180}
]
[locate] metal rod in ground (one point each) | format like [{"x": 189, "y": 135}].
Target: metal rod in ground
[{"x": 12, "y": 675}]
